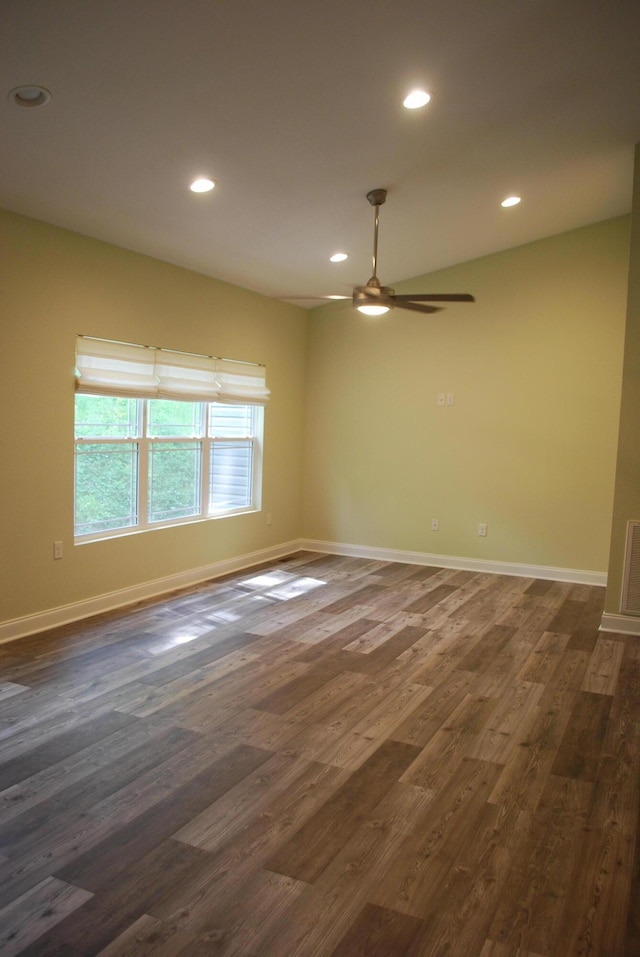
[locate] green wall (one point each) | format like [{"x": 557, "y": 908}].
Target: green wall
[
  {"x": 57, "y": 284},
  {"x": 627, "y": 493},
  {"x": 529, "y": 447}
]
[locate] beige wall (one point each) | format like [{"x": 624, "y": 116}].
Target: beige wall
[
  {"x": 529, "y": 446},
  {"x": 56, "y": 284},
  {"x": 627, "y": 495}
]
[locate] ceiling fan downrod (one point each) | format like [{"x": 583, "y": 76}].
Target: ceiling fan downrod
[
  {"x": 376, "y": 197},
  {"x": 374, "y": 299}
]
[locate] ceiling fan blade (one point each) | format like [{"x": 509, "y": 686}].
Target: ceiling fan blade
[
  {"x": 417, "y": 307},
  {"x": 436, "y": 297},
  {"x": 319, "y": 298}
]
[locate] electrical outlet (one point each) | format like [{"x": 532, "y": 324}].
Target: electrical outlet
[
  {"x": 482, "y": 530},
  {"x": 451, "y": 399},
  {"x": 435, "y": 524},
  {"x": 57, "y": 550}
]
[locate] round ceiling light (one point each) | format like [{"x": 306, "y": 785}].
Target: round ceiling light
[
  {"x": 202, "y": 185},
  {"x": 373, "y": 310},
  {"x": 416, "y": 99},
  {"x": 510, "y": 201},
  {"x": 30, "y": 96},
  {"x": 338, "y": 257}
]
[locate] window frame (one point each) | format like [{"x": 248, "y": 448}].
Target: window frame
[{"x": 143, "y": 442}]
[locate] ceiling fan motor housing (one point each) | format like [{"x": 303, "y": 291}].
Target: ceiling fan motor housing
[{"x": 374, "y": 294}]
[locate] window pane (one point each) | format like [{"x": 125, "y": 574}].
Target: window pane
[
  {"x": 106, "y": 417},
  {"x": 174, "y": 419},
  {"x": 231, "y": 475},
  {"x": 230, "y": 420},
  {"x": 174, "y": 480},
  {"x": 106, "y": 479}
]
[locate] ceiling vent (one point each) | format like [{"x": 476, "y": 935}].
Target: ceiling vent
[{"x": 631, "y": 581}]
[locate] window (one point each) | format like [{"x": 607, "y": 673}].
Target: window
[{"x": 146, "y": 462}]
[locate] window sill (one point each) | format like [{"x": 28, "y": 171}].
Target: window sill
[{"x": 160, "y": 526}]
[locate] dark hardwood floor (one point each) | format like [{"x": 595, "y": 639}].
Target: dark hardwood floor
[{"x": 325, "y": 757}]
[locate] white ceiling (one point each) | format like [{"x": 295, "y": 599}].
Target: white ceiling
[{"x": 294, "y": 107}]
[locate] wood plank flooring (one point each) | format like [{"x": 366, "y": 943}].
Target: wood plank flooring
[{"x": 325, "y": 757}]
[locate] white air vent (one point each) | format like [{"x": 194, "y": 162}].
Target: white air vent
[{"x": 631, "y": 582}]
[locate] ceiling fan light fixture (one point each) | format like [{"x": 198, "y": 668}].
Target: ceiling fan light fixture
[
  {"x": 416, "y": 99},
  {"x": 373, "y": 299},
  {"x": 373, "y": 310}
]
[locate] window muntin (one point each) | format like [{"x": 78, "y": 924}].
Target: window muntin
[{"x": 145, "y": 463}]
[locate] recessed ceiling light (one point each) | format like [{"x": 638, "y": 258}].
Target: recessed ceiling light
[
  {"x": 338, "y": 297},
  {"x": 30, "y": 96},
  {"x": 416, "y": 99},
  {"x": 202, "y": 185},
  {"x": 338, "y": 257},
  {"x": 510, "y": 201}
]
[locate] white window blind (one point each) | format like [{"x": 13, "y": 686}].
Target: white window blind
[{"x": 119, "y": 368}]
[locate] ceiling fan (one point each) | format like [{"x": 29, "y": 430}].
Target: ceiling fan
[{"x": 374, "y": 299}]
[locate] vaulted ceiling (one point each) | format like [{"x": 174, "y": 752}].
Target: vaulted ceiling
[{"x": 295, "y": 109}]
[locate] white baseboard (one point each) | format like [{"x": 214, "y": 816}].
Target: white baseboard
[
  {"x": 620, "y": 624},
  {"x": 66, "y": 614},
  {"x": 573, "y": 575}
]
